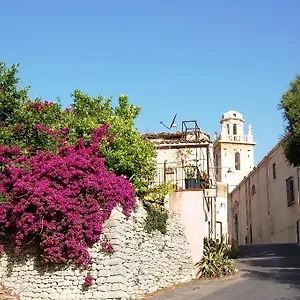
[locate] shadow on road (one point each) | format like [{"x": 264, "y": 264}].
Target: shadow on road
[{"x": 278, "y": 270}]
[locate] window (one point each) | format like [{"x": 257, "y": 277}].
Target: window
[
  {"x": 228, "y": 129},
  {"x": 290, "y": 195},
  {"x": 237, "y": 160},
  {"x": 253, "y": 190},
  {"x": 234, "y": 129},
  {"x": 274, "y": 170}
]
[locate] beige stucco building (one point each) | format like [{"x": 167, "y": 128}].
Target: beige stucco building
[
  {"x": 183, "y": 155},
  {"x": 176, "y": 152},
  {"x": 264, "y": 207},
  {"x": 226, "y": 160}
]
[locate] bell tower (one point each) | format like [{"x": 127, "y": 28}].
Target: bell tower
[{"x": 233, "y": 150}]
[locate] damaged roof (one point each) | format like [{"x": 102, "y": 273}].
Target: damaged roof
[{"x": 178, "y": 137}]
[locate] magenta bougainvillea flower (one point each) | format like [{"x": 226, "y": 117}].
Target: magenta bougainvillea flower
[
  {"x": 59, "y": 201},
  {"x": 107, "y": 247},
  {"x": 88, "y": 281}
]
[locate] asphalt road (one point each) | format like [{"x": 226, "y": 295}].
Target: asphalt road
[{"x": 260, "y": 278}]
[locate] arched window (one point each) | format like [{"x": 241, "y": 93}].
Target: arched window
[
  {"x": 236, "y": 219},
  {"x": 234, "y": 129},
  {"x": 253, "y": 190},
  {"x": 237, "y": 161},
  {"x": 236, "y": 225},
  {"x": 228, "y": 129}
]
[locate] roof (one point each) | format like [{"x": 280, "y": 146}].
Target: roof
[
  {"x": 232, "y": 114},
  {"x": 178, "y": 137}
]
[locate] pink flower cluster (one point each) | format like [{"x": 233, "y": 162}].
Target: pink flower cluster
[
  {"x": 17, "y": 128},
  {"x": 59, "y": 202},
  {"x": 88, "y": 281},
  {"x": 107, "y": 247},
  {"x": 38, "y": 106},
  {"x": 44, "y": 129}
]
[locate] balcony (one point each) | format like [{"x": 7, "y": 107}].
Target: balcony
[
  {"x": 235, "y": 138},
  {"x": 189, "y": 177}
]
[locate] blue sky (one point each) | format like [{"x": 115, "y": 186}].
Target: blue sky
[{"x": 195, "y": 58}]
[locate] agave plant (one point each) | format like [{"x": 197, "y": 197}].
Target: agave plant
[{"x": 215, "y": 261}]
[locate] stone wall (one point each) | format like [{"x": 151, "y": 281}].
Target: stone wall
[{"x": 141, "y": 263}]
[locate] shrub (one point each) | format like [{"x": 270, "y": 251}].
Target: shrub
[
  {"x": 156, "y": 219},
  {"x": 59, "y": 202},
  {"x": 154, "y": 204},
  {"x": 131, "y": 154},
  {"x": 215, "y": 261},
  {"x": 232, "y": 253}
]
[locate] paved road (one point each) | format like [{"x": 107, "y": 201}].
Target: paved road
[{"x": 266, "y": 273}]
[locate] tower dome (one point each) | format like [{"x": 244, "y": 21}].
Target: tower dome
[
  {"x": 232, "y": 124},
  {"x": 232, "y": 115}
]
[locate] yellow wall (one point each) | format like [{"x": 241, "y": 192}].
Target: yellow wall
[{"x": 272, "y": 220}]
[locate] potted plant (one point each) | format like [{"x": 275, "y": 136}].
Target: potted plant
[
  {"x": 192, "y": 180},
  {"x": 204, "y": 180}
]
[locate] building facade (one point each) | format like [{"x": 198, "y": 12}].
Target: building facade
[
  {"x": 233, "y": 150},
  {"x": 264, "y": 207},
  {"x": 183, "y": 156},
  {"x": 192, "y": 149}
]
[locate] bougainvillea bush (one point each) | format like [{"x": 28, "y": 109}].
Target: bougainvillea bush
[
  {"x": 59, "y": 201},
  {"x": 131, "y": 154}
]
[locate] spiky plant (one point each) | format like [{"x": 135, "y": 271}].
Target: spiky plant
[{"x": 215, "y": 261}]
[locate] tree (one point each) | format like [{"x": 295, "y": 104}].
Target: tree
[
  {"x": 130, "y": 154},
  {"x": 11, "y": 96},
  {"x": 20, "y": 115},
  {"x": 35, "y": 124},
  {"x": 290, "y": 105}
]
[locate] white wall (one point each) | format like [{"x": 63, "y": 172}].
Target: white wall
[
  {"x": 226, "y": 153},
  {"x": 141, "y": 263}
]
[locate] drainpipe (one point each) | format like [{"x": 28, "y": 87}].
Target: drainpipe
[
  {"x": 268, "y": 185},
  {"x": 165, "y": 173},
  {"x": 221, "y": 228},
  {"x": 207, "y": 160},
  {"x": 211, "y": 218},
  {"x": 239, "y": 236},
  {"x": 215, "y": 217}
]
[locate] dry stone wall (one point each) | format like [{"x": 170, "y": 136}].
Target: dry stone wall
[{"x": 141, "y": 263}]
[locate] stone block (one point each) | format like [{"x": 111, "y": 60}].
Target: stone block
[
  {"x": 116, "y": 279},
  {"x": 98, "y": 295},
  {"x": 114, "y": 294},
  {"x": 113, "y": 262}
]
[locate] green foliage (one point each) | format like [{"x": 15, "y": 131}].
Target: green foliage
[
  {"x": 19, "y": 115},
  {"x": 190, "y": 171},
  {"x": 232, "y": 253},
  {"x": 130, "y": 154},
  {"x": 290, "y": 105},
  {"x": 20, "y": 127},
  {"x": 158, "y": 193},
  {"x": 11, "y": 96},
  {"x": 157, "y": 214},
  {"x": 156, "y": 219},
  {"x": 215, "y": 261},
  {"x": 3, "y": 198},
  {"x": 205, "y": 181}
]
